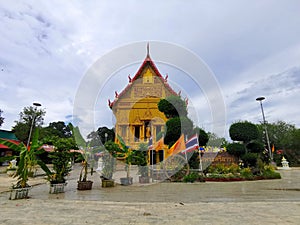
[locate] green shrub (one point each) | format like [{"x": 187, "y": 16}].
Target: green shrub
[
  {"x": 234, "y": 168},
  {"x": 218, "y": 168},
  {"x": 246, "y": 173},
  {"x": 192, "y": 177},
  {"x": 179, "y": 175},
  {"x": 250, "y": 159},
  {"x": 269, "y": 168},
  {"x": 268, "y": 174},
  {"x": 223, "y": 169},
  {"x": 236, "y": 149}
]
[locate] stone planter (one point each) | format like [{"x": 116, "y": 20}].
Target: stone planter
[
  {"x": 126, "y": 181},
  {"x": 84, "y": 185},
  {"x": 107, "y": 183},
  {"x": 57, "y": 188},
  {"x": 19, "y": 193}
]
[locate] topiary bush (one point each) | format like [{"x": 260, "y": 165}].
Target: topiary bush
[
  {"x": 243, "y": 131},
  {"x": 250, "y": 159},
  {"x": 236, "y": 149},
  {"x": 255, "y": 147}
]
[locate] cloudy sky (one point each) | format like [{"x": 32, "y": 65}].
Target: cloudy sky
[{"x": 251, "y": 47}]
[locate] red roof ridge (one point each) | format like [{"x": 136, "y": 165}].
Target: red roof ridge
[{"x": 131, "y": 80}]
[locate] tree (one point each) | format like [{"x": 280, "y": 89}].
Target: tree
[
  {"x": 255, "y": 146},
  {"x": 175, "y": 127},
  {"x": 294, "y": 153},
  {"x": 284, "y": 137},
  {"x": 94, "y": 139},
  {"x": 236, "y": 149},
  {"x": 243, "y": 131},
  {"x": 175, "y": 109},
  {"x": 280, "y": 134},
  {"x": 173, "y": 106},
  {"x": 61, "y": 158},
  {"x": 1, "y": 118},
  {"x": 202, "y": 136},
  {"x": 29, "y": 115},
  {"x": 106, "y": 134},
  {"x": 58, "y": 129},
  {"x": 247, "y": 133},
  {"x": 216, "y": 141}
]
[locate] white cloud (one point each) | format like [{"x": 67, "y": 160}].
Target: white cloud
[{"x": 253, "y": 48}]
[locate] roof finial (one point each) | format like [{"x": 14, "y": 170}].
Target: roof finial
[{"x": 148, "y": 50}]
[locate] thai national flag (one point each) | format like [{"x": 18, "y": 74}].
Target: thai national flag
[{"x": 192, "y": 144}]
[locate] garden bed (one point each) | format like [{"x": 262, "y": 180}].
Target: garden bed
[
  {"x": 231, "y": 179},
  {"x": 223, "y": 179}
]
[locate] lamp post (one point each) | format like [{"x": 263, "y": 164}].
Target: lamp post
[
  {"x": 36, "y": 104},
  {"x": 260, "y": 99}
]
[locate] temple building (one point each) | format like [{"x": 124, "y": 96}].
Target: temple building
[{"x": 135, "y": 108}]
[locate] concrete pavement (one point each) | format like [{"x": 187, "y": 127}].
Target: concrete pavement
[{"x": 250, "y": 202}]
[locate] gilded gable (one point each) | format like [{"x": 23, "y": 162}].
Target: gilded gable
[{"x": 135, "y": 108}]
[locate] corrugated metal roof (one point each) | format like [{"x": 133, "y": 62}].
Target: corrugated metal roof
[{"x": 7, "y": 135}]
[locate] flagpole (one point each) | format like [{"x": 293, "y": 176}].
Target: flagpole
[
  {"x": 185, "y": 149},
  {"x": 200, "y": 161},
  {"x": 152, "y": 159}
]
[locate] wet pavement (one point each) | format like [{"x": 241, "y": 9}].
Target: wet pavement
[{"x": 262, "y": 202}]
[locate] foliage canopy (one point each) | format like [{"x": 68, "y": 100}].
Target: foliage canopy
[
  {"x": 173, "y": 106},
  {"x": 243, "y": 131}
]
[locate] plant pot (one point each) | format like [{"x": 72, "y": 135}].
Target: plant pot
[
  {"x": 126, "y": 180},
  {"x": 107, "y": 183},
  {"x": 19, "y": 193},
  {"x": 84, "y": 185},
  {"x": 144, "y": 180},
  {"x": 57, "y": 188}
]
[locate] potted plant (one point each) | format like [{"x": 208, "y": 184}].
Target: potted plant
[
  {"x": 21, "y": 189},
  {"x": 140, "y": 159},
  {"x": 107, "y": 163},
  {"x": 83, "y": 183},
  {"x": 127, "y": 154},
  {"x": 61, "y": 159},
  {"x": 144, "y": 174}
]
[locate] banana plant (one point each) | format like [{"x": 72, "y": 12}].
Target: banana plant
[
  {"x": 127, "y": 153},
  {"x": 27, "y": 159}
]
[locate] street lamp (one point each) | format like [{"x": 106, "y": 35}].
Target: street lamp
[
  {"x": 36, "y": 104},
  {"x": 260, "y": 99}
]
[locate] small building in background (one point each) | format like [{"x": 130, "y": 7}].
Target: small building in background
[{"x": 4, "y": 150}]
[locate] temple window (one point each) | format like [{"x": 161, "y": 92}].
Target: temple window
[{"x": 137, "y": 133}]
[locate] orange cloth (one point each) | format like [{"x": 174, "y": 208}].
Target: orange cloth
[
  {"x": 159, "y": 145},
  {"x": 178, "y": 146}
]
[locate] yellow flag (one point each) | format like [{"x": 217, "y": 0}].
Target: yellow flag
[
  {"x": 159, "y": 145},
  {"x": 273, "y": 148},
  {"x": 178, "y": 146}
]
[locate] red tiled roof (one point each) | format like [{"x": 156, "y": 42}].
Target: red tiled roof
[{"x": 147, "y": 60}]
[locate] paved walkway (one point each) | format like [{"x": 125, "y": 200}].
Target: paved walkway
[{"x": 251, "y": 202}]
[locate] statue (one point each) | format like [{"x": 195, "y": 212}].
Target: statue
[{"x": 148, "y": 132}]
